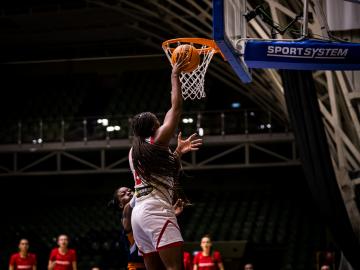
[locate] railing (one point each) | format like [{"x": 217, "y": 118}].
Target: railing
[{"x": 119, "y": 127}]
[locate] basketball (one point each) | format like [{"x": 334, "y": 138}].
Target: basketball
[{"x": 191, "y": 55}]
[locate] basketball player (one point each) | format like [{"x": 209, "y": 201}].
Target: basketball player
[
  {"x": 23, "y": 259},
  {"x": 207, "y": 259},
  {"x": 156, "y": 172},
  {"x": 62, "y": 258},
  {"x": 124, "y": 199}
]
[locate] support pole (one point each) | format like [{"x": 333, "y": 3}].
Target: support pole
[{"x": 305, "y": 28}]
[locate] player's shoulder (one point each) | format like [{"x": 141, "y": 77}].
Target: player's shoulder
[
  {"x": 216, "y": 254},
  {"x": 14, "y": 255},
  {"x": 72, "y": 251},
  {"x": 197, "y": 254},
  {"x": 32, "y": 257},
  {"x": 14, "y": 258},
  {"x": 55, "y": 250}
]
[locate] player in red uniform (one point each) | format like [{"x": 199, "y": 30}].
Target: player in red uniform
[
  {"x": 62, "y": 258},
  {"x": 23, "y": 259},
  {"x": 207, "y": 259}
]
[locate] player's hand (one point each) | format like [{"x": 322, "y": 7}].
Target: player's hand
[
  {"x": 189, "y": 144},
  {"x": 182, "y": 61},
  {"x": 178, "y": 207},
  {"x": 52, "y": 264}
]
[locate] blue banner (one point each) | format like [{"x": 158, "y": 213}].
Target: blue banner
[{"x": 307, "y": 54}]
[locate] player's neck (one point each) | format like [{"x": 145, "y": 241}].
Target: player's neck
[
  {"x": 23, "y": 254},
  {"x": 63, "y": 250},
  {"x": 206, "y": 252}
]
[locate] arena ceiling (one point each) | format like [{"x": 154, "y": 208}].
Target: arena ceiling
[{"x": 43, "y": 30}]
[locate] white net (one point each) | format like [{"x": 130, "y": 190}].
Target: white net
[{"x": 192, "y": 83}]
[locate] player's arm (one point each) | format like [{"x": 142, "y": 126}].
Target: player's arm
[
  {"x": 12, "y": 263},
  {"x": 74, "y": 260},
  {"x": 34, "y": 266},
  {"x": 218, "y": 259},
  {"x": 74, "y": 265},
  {"x": 196, "y": 262},
  {"x": 166, "y": 131},
  {"x": 126, "y": 218},
  {"x": 51, "y": 265},
  {"x": 52, "y": 260}
]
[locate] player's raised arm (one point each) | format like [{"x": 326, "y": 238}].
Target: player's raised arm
[{"x": 166, "y": 131}]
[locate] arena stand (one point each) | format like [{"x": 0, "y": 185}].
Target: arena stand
[{"x": 281, "y": 231}]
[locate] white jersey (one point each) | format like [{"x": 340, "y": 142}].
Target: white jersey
[
  {"x": 159, "y": 191},
  {"x": 153, "y": 218}
]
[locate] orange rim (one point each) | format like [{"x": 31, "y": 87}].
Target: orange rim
[{"x": 209, "y": 43}]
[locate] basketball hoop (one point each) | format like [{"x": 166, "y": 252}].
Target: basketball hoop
[{"x": 192, "y": 83}]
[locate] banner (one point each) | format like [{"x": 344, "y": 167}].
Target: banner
[{"x": 302, "y": 55}]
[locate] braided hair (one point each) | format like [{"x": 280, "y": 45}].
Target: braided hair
[{"x": 153, "y": 161}]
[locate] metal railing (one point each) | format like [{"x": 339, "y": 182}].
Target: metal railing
[{"x": 119, "y": 127}]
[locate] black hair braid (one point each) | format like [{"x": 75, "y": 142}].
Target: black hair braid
[{"x": 154, "y": 162}]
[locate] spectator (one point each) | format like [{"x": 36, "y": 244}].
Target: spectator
[
  {"x": 62, "y": 258},
  {"x": 23, "y": 259},
  {"x": 207, "y": 259},
  {"x": 249, "y": 266}
]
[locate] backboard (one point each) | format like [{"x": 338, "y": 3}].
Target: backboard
[
  {"x": 229, "y": 27},
  {"x": 305, "y": 52}
]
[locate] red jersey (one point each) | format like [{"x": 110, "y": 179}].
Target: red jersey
[
  {"x": 63, "y": 261},
  {"x": 207, "y": 262},
  {"x": 23, "y": 263}
]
